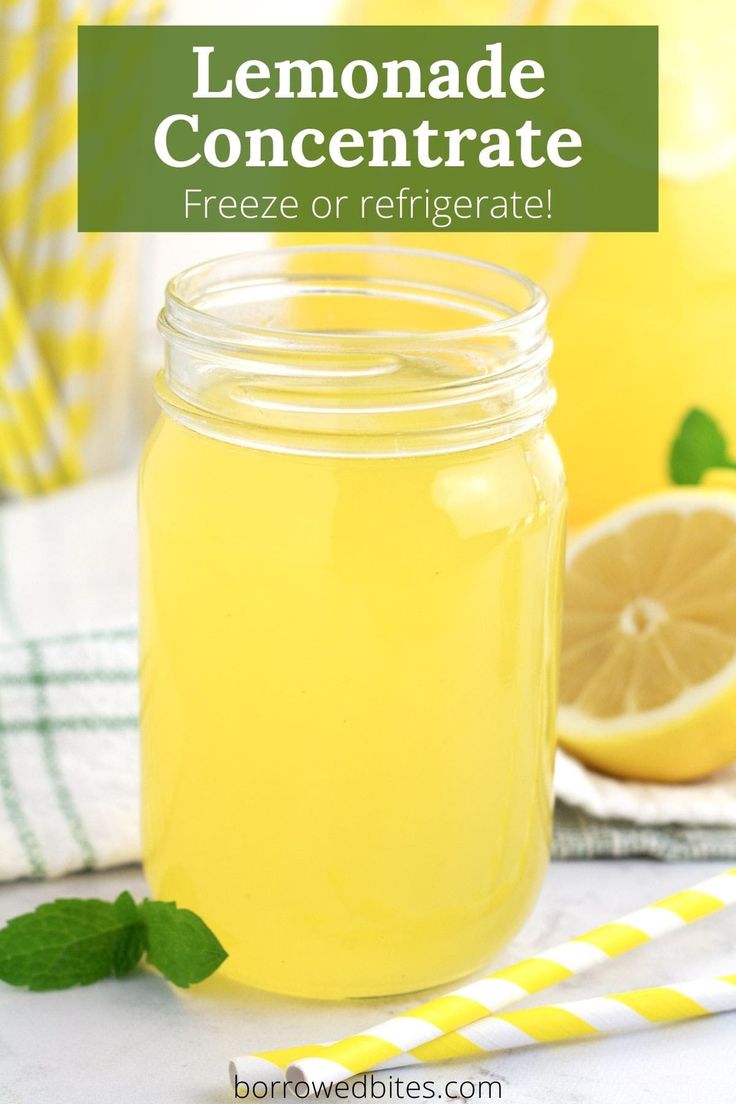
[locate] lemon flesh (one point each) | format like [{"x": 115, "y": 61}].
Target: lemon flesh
[{"x": 648, "y": 672}]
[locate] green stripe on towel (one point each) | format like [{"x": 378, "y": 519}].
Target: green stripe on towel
[
  {"x": 63, "y": 793},
  {"x": 579, "y": 836},
  {"x": 11, "y": 799}
]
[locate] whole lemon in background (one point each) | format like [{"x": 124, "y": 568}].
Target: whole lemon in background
[
  {"x": 641, "y": 322},
  {"x": 648, "y": 670}
]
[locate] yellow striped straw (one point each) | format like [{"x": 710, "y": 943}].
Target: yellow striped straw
[
  {"x": 389, "y": 1044},
  {"x": 61, "y": 326},
  {"x": 583, "y": 1019},
  {"x": 591, "y": 1017}
]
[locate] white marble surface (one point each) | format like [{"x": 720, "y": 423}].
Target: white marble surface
[{"x": 139, "y": 1041}]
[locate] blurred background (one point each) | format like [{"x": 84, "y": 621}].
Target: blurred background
[
  {"x": 167, "y": 254},
  {"x": 641, "y": 322}
]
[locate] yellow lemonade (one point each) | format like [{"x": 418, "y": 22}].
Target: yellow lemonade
[
  {"x": 642, "y": 323},
  {"x": 349, "y": 669}
]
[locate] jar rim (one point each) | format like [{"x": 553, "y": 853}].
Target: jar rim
[
  {"x": 253, "y": 353},
  {"x": 182, "y": 318}
]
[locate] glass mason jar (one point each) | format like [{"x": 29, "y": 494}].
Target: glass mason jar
[{"x": 352, "y": 527}]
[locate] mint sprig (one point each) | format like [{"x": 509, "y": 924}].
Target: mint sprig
[
  {"x": 700, "y": 445},
  {"x": 75, "y": 941}
]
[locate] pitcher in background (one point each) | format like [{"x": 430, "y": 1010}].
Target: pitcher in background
[{"x": 642, "y": 323}]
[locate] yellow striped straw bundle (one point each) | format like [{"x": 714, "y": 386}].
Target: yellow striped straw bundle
[
  {"x": 589, "y": 1018},
  {"x": 61, "y": 292},
  {"x": 459, "y": 1025}
]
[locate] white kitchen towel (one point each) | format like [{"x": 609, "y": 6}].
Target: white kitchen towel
[
  {"x": 69, "y": 703},
  {"x": 710, "y": 802},
  {"x": 68, "y": 560},
  {"x": 68, "y": 693},
  {"x": 69, "y": 753}
]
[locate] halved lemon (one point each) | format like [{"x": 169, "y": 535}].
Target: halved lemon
[{"x": 648, "y": 674}]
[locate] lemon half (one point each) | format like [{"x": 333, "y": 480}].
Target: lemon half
[{"x": 648, "y": 673}]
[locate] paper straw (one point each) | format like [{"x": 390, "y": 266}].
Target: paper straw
[
  {"x": 38, "y": 446},
  {"x": 633, "y": 1010},
  {"x": 33, "y": 444},
  {"x": 389, "y": 1042},
  {"x": 61, "y": 333},
  {"x": 594, "y": 1016}
]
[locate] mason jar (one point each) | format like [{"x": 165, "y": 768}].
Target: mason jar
[{"x": 352, "y": 522}]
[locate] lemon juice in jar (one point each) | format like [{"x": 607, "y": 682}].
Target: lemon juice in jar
[{"x": 351, "y": 541}]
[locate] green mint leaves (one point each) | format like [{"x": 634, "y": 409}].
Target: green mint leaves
[
  {"x": 69, "y": 942},
  {"x": 699, "y": 446},
  {"x": 179, "y": 944},
  {"x": 75, "y": 942}
]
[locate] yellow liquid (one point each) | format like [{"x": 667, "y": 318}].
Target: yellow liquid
[{"x": 348, "y": 692}]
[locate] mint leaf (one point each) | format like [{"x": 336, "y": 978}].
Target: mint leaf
[
  {"x": 132, "y": 941},
  {"x": 75, "y": 942},
  {"x": 68, "y": 942},
  {"x": 699, "y": 446},
  {"x": 179, "y": 944},
  {"x": 126, "y": 908}
]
